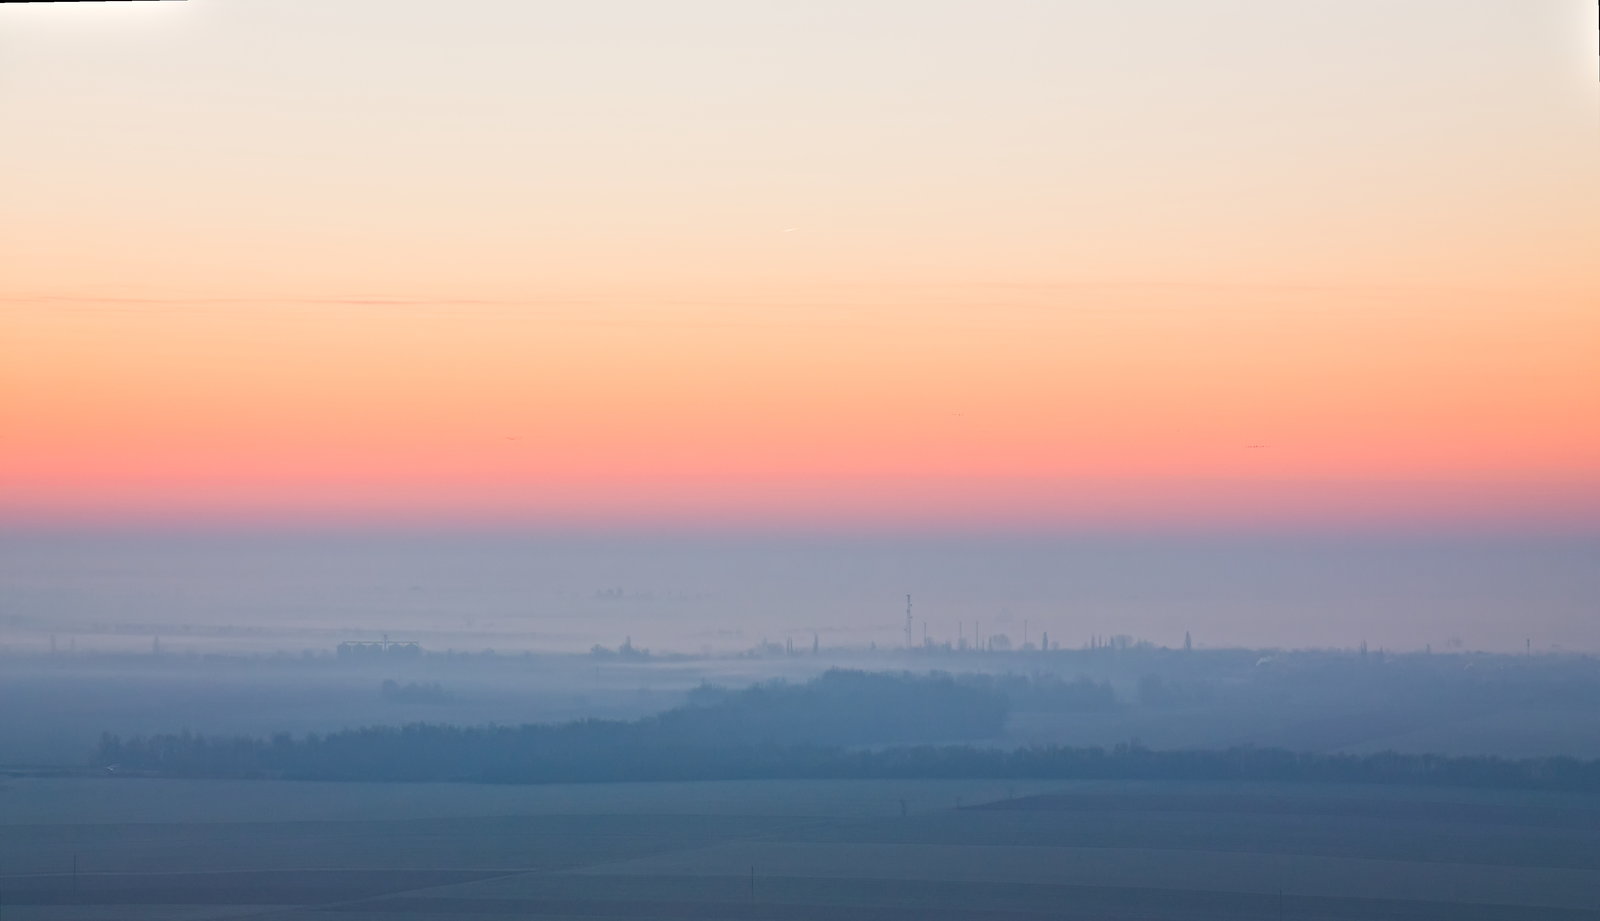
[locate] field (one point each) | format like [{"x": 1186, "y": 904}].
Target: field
[{"x": 103, "y": 848}]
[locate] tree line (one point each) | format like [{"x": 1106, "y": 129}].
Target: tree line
[
  {"x": 595, "y": 751},
  {"x": 841, "y": 725}
]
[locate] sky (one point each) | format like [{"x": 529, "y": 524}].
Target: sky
[{"x": 1087, "y": 267}]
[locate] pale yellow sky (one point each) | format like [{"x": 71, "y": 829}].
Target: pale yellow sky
[{"x": 503, "y": 148}]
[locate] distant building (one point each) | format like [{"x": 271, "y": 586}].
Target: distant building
[{"x": 381, "y": 651}]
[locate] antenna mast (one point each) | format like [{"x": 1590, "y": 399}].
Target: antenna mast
[{"x": 908, "y": 621}]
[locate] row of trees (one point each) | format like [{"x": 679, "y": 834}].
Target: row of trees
[
  {"x": 740, "y": 731},
  {"x": 597, "y": 751},
  {"x": 814, "y": 730}
]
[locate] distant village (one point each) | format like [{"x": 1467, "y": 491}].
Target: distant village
[{"x": 382, "y": 650}]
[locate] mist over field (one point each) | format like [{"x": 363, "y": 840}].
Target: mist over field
[
  {"x": 236, "y": 632},
  {"x": 1353, "y": 643},
  {"x": 701, "y": 592}
]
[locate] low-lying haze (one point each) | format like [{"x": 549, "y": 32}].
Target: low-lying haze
[{"x": 693, "y": 593}]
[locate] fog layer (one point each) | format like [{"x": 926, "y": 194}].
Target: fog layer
[{"x": 709, "y": 593}]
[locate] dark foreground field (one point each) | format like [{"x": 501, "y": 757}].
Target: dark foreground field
[{"x": 85, "y": 848}]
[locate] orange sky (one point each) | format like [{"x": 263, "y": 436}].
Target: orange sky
[
  {"x": 1099, "y": 402},
  {"x": 928, "y": 275}
]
